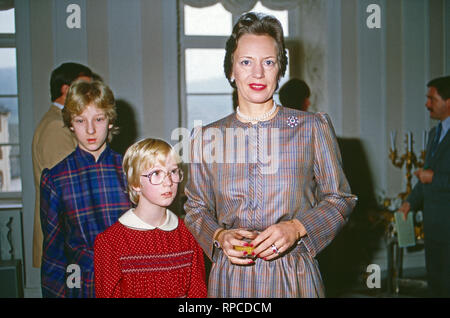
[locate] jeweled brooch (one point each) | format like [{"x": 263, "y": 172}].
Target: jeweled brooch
[{"x": 292, "y": 121}]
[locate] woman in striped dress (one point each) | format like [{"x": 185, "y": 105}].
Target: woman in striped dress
[{"x": 266, "y": 179}]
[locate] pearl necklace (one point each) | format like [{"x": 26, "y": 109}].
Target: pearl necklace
[{"x": 260, "y": 118}]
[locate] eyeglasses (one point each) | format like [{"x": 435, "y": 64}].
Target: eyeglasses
[{"x": 158, "y": 176}]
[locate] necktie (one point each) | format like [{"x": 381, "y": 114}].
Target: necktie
[{"x": 436, "y": 139}]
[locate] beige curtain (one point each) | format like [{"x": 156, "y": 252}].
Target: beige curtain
[{"x": 238, "y": 7}]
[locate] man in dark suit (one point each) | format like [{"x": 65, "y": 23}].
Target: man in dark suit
[{"x": 431, "y": 194}]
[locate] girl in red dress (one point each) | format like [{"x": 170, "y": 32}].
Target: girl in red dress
[{"x": 149, "y": 252}]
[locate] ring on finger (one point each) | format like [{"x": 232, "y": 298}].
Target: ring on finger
[{"x": 275, "y": 249}]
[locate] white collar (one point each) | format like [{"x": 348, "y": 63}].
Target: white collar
[
  {"x": 131, "y": 220},
  {"x": 58, "y": 105}
]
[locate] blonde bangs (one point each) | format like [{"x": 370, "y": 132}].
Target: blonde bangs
[
  {"x": 82, "y": 93},
  {"x": 144, "y": 155}
]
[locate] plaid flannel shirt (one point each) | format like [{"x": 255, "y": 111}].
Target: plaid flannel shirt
[{"x": 80, "y": 198}]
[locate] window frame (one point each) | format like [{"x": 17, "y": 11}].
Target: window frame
[
  {"x": 8, "y": 40},
  {"x": 218, "y": 42}
]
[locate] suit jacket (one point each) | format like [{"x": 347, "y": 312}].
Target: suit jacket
[
  {"x": 434, "y": 198},
  {"x": 52, "y": 142}
]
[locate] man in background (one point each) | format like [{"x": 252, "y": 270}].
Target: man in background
[
  {"x": 52, "y": 142},
  {"x": 431, "y": 194},
  {"x": 295, "y": 94}
]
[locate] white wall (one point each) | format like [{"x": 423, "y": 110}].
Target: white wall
[
  {"x": 376, "y": 78},
  {"x": 372, "y": 80}
]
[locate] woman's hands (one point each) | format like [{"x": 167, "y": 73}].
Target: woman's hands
[
  {"x": 281, "y": 235},
  {"x": 278, "y": 238},
  {"x": 230, "y": 238}
]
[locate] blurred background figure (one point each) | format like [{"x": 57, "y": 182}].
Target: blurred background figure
[
  {"x": 52, "y": 141},
  {"x": 295, "y": 94}
]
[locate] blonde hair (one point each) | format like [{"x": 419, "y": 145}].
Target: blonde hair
[
  {"x": 81, "y": 94},
  {"x": 141, "y": 156}
]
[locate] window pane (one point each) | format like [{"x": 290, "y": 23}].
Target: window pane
[
  {"x": 9, "y": 154},
  {"x": 213, "y": 20},
  {"x": 282, "y": 16},
  {"x": 10, "y": 169},
  {"x": 204, "y": 71},
  {"x": 276, "y": 98},
  {"x": 7, "y": 21},
  {"x": 9, "y": 120},
  {"x": 208, "y": 108},
  {"x": 8, "y": 73}
]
